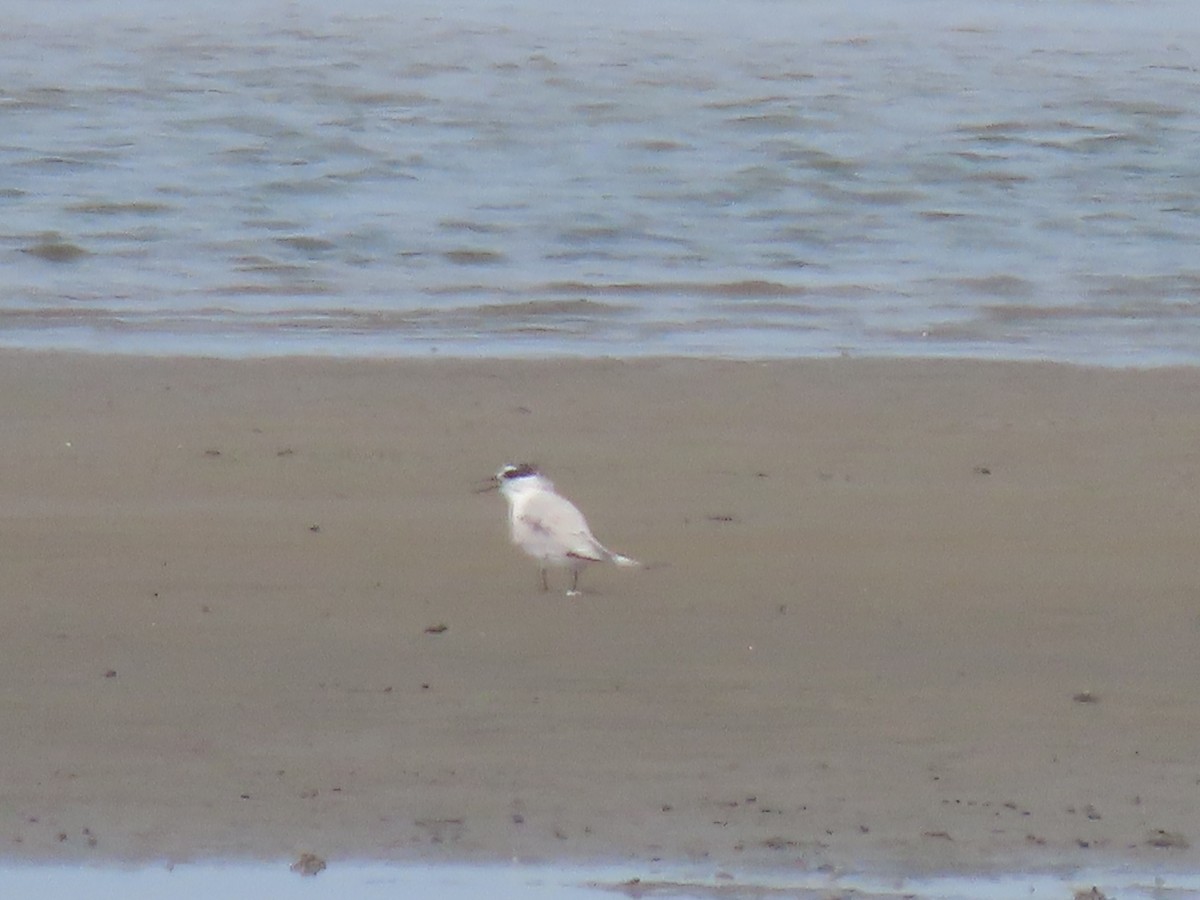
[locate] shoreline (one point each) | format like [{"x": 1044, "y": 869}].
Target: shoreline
[
  {"x": 938, "y": 612},
  {"x": 592, "y": 881},
  {"x": 436, "y": 354}
]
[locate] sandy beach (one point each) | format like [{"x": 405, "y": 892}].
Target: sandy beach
[{"x": 903, "y": 614}]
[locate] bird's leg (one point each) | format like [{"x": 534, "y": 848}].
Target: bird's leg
[
  {"x": 545, "y": 582},
  {"x": 574, "y": 582}
]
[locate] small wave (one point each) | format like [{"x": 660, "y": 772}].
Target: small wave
[
  {"x": 471, "y": 226},
  {"x": 120, "y": 208},
  {"x": 79, "y": 163},
  {"x": 747, "y": 102},
  {"x": 306, "y": 288},
  {"x": 1145, "y": 287},
  {"x": 473, "y": 257},
  {"x": 996, "y": 285},
  {"x": 727, "y": 289},
  {"x": 770, "y": 122},
  {"x": 532, "y": 309},
  {"x": 56, "y": 250},
  {"x": 1015, "y": 312},
  {"x": 306, "y": 244},
  {"x": 660, "y": 145}
]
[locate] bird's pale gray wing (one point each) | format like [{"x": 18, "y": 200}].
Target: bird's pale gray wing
[{"x": 556, "y": 517}]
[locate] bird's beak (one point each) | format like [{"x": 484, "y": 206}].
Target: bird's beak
[{"x": 491, "y": 484}]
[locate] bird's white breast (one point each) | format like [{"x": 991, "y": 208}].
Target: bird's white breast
[{"x": 549, "y": 527}]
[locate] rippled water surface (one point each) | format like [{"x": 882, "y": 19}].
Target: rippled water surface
[{"x": 760, "y": 178}]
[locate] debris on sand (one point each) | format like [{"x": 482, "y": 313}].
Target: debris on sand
[
  {"x": 1167, "y": 840},
  {"x": 308, "y": 864}
]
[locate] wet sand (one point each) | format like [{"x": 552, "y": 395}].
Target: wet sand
[{"x": 914, "y": 615}]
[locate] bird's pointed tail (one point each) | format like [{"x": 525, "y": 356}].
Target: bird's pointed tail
[{"x": 624, "y": 561}]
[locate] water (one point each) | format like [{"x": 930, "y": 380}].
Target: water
[
  {"x": 989, "y": 178},
  {"x": 368, "y": 881}
]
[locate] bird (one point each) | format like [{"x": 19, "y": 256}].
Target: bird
[{"x": 548, "y": 526}]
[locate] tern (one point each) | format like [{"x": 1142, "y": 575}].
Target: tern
[{"x": 548, "y": 526}]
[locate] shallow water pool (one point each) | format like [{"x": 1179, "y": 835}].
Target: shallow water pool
[{"x": 508, "y": 882}]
